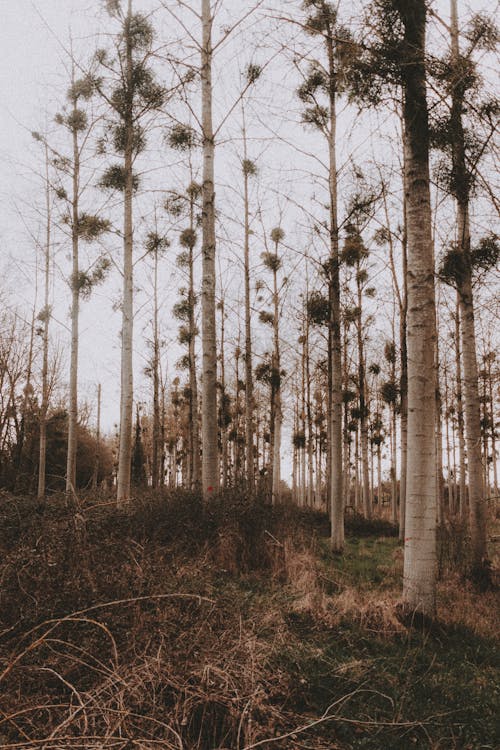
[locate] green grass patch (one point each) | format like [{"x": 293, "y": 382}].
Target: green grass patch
[
  {"x": 434, "y": 691},
  {"x": 367, "y": 561}
]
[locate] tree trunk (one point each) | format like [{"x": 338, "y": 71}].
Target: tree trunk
[
  {"x": 249, "y": 397},
  {"x": 156, "y": 382},
  {"x": 95, "y": 476},
  {"x": 439, "y": 436},
  {"x": 363, "y": 406},
  {"x": 477, "y": 503},
  {"x": 336, "y": 497},
  {"x": 127, "y": 383},
  {"x": 460, "y": 416},
  {"x": 419, "y": 587},
  {"x": 403, "y": 383},
  {"x": 42, "y": 459},
  {"x": 75, "y": 312},
  {"x": 223, "y": 400},
  {"x": 278, "y": 418},
  {"x": 210, "y": 462},
  {"x": 491, "y": 357},
  {"x": 194, "y": 429}
]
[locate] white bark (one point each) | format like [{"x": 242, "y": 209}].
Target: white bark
[
  {"x": 42, "y": 458},
  {"x": 127, "y": 385},
  {"x": 419, "y": 585},
  {"x": 210, "y": 471},
  {"x": 75, "y": 312},
  {"x": 249, "y": 397},
  {"x": 335, "y": 480},
  {"x": 477, "y": 503}
]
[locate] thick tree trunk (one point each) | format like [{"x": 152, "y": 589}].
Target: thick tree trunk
[
  {"x": 210, "y": 462},
  {"x": 419, "y": 587}
]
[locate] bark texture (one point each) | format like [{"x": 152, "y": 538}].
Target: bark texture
[
  {"x": 419, "y": 586},
  {"x": 210, "y": 463},
  {"x": 127, "y": 383},
  {"x": 477, "y": 502},
  {"x": 75, "y": 313}
]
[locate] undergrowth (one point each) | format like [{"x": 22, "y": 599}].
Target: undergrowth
[{"x": 228, "y": 625}]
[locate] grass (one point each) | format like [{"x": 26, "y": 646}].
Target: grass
[{"x": 228, "y": 627}]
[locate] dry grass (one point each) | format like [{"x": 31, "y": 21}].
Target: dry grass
[{"x": 221, "y": 628}]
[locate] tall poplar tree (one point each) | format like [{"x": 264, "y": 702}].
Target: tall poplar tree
[
  {"x": 129, "y": 88},
  {"x": 395, "y": 59},
  {"x": 324, "y": 81},
  {"x": 459, "y": 75}
]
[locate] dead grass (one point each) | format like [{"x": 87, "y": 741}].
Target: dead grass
[{"x": 227, "y": 627}]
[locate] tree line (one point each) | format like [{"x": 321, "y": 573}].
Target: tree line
[{"x": 401, "y": 424}]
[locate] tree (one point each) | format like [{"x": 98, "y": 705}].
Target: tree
[
  {"x": 210, "y": 470},
  {"x": 460, "y": 78},
  {"x": 131, "y": 92},
  {"x": 249, "y": 170},
  {"x": 272, "y": 262},
  {"x": 327, "y": 79},
  {"x": 396, "y": 59},
  {"x": 44, "y": 318},
  {"x": 156, "y": 245},
  {"x": 419, "y": 585},
  {"x": 83, "y": 226},
  {"x": 354, "y": 254}
]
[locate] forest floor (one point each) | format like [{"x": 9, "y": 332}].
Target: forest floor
[{"x": 181, "y": 626}]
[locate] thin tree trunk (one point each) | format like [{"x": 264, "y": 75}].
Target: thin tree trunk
[
  {"x": 492, "y": 425},
  {"x": 249, "y": 397},
  {"x": 278, "y": 417},
  {"x": 460, "y": 415},
  {"x": 394, "y": 489},
  {"x": 127, "y": 382},
  {"x": 27, "y": 393},
  {"x": 450, "y": 475},
  {"x": 223, "y": 400},
  {"x": 156, "y": 381},
  {"x": 95, "y": 476},
  {"x": 336, "y": 496},
  {"x": 439, "y": 437},
  {"x": 403, "y": 383},
  {"x": 477, "y": 502},
  {"x": 210, "y": 461},
  {"x": 42, "y": 459},
  {"x": 310, "y": 430},
  {"x": 75, "y": 312},
  {"x": 363, "y": 406},
  {"x": 194, "y": 429}
]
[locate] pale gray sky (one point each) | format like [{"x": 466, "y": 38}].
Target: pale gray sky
[{"x": 32, "y": 85}]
